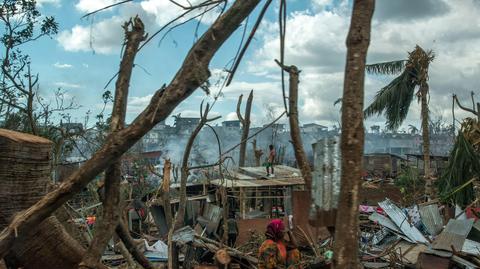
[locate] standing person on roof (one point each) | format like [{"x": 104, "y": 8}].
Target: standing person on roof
[
  {"x": 271, "y": 159},
  {"x": 275, "y": 252}
]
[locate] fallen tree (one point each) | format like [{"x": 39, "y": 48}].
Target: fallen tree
[{"x": 192, "y": 74}]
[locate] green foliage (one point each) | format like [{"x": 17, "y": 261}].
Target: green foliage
[
  {"x": 410, "y": 183},
  {"x": 394, "y": 99},
  {"x": 386, "y": 68},
  {"x": 463, "y": 165},
  {"x": 21, "y": 19}
]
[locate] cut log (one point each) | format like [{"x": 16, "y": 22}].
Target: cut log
[{"x": 24, "y": 178}]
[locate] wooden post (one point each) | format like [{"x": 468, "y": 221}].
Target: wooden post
[{"x": 242, "y": 203}]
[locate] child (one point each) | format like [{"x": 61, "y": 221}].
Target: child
[{"x": 271, "y": 159}]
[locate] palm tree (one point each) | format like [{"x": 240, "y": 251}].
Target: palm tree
[
  {"x": 413, "y": 129},
  {"x": 394, "y": 99}
]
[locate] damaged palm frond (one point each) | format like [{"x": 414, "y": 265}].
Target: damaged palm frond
[
  {"x": 463, "y": 165},
  {"x": 393, "y": 100},
  {"x": 386, "y": 68}
]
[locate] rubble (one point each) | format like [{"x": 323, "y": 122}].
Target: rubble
[{"x": 417, "y": 237}]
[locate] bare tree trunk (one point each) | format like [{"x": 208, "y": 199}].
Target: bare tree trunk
[
  {"x": 111, "y": 203},
  {"x": 300, "y": 155},
  {"x": 180, "y": 216},
  {"x": 245, "y": 126},
  {"x": 30, "y": 96},
  {"x": 256, "y": 152},
  {"x": 352, "y": 137},
  {"x": 429, "y": 189},
  {"x": 165, "y": 192},
  {"x": 24, "y": 179},
  {"x": 193, "y": 73}
]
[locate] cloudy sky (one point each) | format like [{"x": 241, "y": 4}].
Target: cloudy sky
[{"x": 86, "y": 53}]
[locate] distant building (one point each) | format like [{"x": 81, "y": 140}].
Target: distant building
[
  {"x": 185, "y": 125},
  {"x": 383, "y": 164},
  {"x": 277, "y": 127},
  {"x": 72, "y": 127},
  {"x": 160, "y": 126},
  {"x": 231, "y": 125},
  {"x": 393, "y": 143},
  {"x": 314, "y": 128}
]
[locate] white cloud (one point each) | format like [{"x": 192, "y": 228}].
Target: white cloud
[
  {"x": 62, "y": 66},
  {"x": 137, "y": 104},
  {"x": 231, "y": 116},
  {"x": 165, "y": 11},
  {"x": 53, "y": 2},
  {"x": 103, "y": 37},
  {"x": 63, "y": 84},
  {"x": 316, "y": 44},
  {"x": 92, "y": 5}
]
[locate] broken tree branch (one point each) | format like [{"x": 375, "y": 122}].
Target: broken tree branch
[
  {"x": 462, "y": 107},
  {"x": 179, "y": 216},
  {"x": 245, "y": 121},
  {"x": 247, "y": 43},
  {"x": 300, "y": 155},
  {"x": 124, "y": 235},
  {"x": 134, "y": 34},
  {"x": 193, "y": 73}
]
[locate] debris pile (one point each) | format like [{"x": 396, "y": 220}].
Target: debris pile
[{"x": 421, "y": 236}]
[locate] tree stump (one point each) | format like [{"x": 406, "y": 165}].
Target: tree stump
[{"x": 24, "y": 178}]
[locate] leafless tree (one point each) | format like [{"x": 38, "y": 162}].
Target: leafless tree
[
  {"x": 300, "y": 155},
  {"x": 245, "y": 121},
  {"x": 352, "y": 137},
  {"x": 134, "y": 35}
]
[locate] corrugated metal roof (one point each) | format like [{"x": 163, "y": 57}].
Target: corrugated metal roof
[
  {"x": 384, "y": 221},
  {"x": 253, "y": 177},
  {"x": 471, "y": 247},
  {"x": 401, "y": 220},
  {"x": 454, "y": 235},
  {"x": 326, "y": 173},
  {"x": 431, "y": 218},
  {"x": 281, "y": 171},
  {"x": 229, "y": 183}
]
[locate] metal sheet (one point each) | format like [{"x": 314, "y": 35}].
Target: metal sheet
[
  {"x": 159, "y": 218},
  {"x": 431, "y": 218},
  {"x": 384, "y": 221},
  {"x": 471, "y": 247},
  {"x": 463, "y": 262},
  {"x": 229, "y": 183},
  {"x": 400, "y": 219},
  {"x": 375, "y": 265},
  {"x": 453, "y": 235},
  {"x": 326, "y": 173},
  {"x": 281, "y": 171},
  {"x": 183, "y": 235}
]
